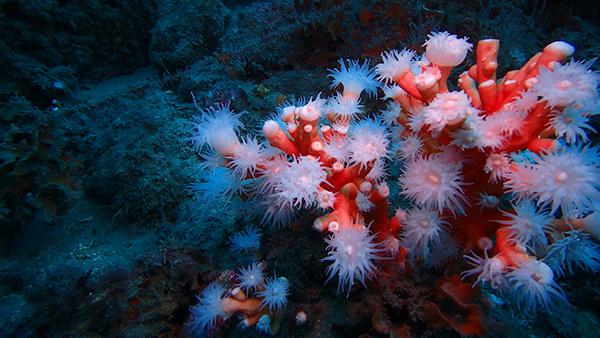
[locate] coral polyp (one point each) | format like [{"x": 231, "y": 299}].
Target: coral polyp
[{"x": 352, "y": 252}]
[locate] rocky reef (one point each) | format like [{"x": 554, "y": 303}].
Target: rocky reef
[{"x": 101, "y": 231}]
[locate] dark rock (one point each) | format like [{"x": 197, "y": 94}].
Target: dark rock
[{"x": 185, "y": 31}]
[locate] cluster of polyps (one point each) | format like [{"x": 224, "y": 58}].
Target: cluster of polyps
[
  {"x": 481, "y": 164},
  {"x": 255, "y": 299},
  {"x": 501, "y": 161},
  {"x": 319, "y": 156}
]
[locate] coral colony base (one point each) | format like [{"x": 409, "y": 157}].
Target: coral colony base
[{"x": 498, "y": 170}]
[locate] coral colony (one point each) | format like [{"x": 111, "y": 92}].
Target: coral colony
[{"x": 497, "y": 169}]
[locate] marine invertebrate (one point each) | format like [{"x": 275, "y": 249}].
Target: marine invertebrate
[
  {"x": 491, "y": 142},
  {"x": 252, "y": 277},
  {"x": 215, "y": 184},
  {"x": 445, "y": 49},
  {"x": 204, "y": 315},
  {"x": 481, "y": 165},
  {"x": 565, "y": 178},
  {"x": 301, "y": 318},
  {"x": 423, "y": 231},
  {"x": 410, "y": 148},
  {"x": 391, "y": 113},
  {"x": 489, "y": 270},
  {"x": 434, "y": 183},
  {"x": 274, "y": 293},
  {"x": 216, "y": 127},
  {"x": 264, "y": 324},
  {"x": 534, "y": 286},
  {"x": 367, "y": 143},
  {"x": 527, "y": 225},
  {"x": 335, "y": 164},
  {"x": 394, "y": 64},
  {"x": 337, "y": 149},
  {"x": 344, "y": 107},
  {"x": 571, "y": 124},
  {"x": 351, "y": 251},
  {"x": 575, "y": 250},
  {"x": 300, "y": 182},
  {"x": 355, "y": 78},
  {"x": 247, "y": 157},
  {"x": 447, "y": 109},
  {"x": 568, "y": 83},
  {"x": 497, "y": 165},
  {"x": 487, "y": 201},
  {"x": 220, "y": 300},
  {"x": 247, "y": 239}
]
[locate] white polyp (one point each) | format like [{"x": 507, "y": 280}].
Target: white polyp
[
  {"x": 333, "y": 226},
  {"x": 270, "y": 128},
  {"x": 288, "y": 114},
  {"x": 316, "y": 146},
  {"x": 365, "y": 187},
  {"x": 383, "y": 190},
  {"x": 561, "y": 48},
  {"x": 309, "y": 113},
  {"x": 308, "y": 128},
  {"x": 446, "y": 50},
  {"x": 424, "y": 81}
]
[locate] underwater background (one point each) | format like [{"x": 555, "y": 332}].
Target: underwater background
[{"x": 111, "y": 227}]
